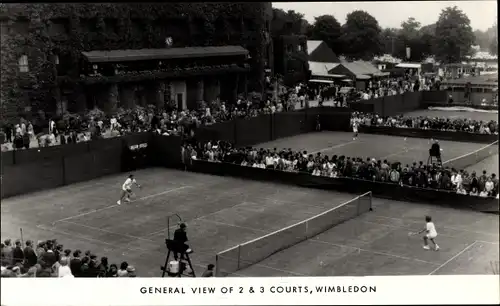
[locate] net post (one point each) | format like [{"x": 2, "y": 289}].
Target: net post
[
  {"x": 217, "y": 271},
  {"x": 239, "y": 256},
  {"x": 358, "y": 205},
  {"x": 371, "y": 198}
]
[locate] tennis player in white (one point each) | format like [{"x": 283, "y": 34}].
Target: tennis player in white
[
  {"x": 355, "y": 129},
  {"x": 431, "y": 234},
  {"x": 127, "y": 189}
]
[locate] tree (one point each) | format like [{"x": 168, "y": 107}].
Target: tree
[
  {"x": 327, "y": 29},
  {"x": 288, "y": 23},
  {"x": 389, "y": 40},
  {"x": 493, "y": 45},
  {"x": 454, "y": 36},
  {"x": 409, "y": 28},
  {"x": 361, "y": 36}
]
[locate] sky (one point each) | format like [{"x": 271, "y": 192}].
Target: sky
[{"x": 482, "y": 14}]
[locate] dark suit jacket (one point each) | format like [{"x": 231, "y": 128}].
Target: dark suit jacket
[
  {"x": 180, "y": 236},
  {"x": 18, "y": 255},
  {"x": 75, "y": 266},
  {"x": 30, "y": 257},
  {"x": 49, "y": 258}
]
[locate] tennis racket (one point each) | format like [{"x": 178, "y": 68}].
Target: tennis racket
[{"x": 410, "y": 234}]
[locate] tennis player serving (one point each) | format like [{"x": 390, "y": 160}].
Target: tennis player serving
[{"x": 431, "y": 233}]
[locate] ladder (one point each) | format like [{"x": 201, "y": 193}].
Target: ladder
[{"x": 184, "y": 261}]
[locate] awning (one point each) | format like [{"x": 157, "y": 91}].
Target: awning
[
  {"x": 159, "y": 54},
  {"x": 345, "y": 90},
  {"x": 381, "y": 74},
  {"x": 362, "y": 77},
  {"x": 321, "y": 81},
  {"x": 409, "y": 65}
]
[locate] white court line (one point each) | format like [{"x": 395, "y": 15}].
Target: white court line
[
  {"x": 334, "y": 147},
  {"x": 106, "y": 231},
  {"x": 116, "y": 247},
  {"x": 454, "y": 257},
  {"x": 399, "y": 152},
  {"x": 115, "y": 205},
  {"x": 374, "y": 252},
  {"x": 445, "y": 227},
  {"x": 197, "y": 218},
  {"x": 232, "y": 225}
]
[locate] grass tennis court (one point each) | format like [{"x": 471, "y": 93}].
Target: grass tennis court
[
  {"x": 392, "y": 148},
  {"x": 477, "y": 115},
  {"x": 223, "y": 212}
]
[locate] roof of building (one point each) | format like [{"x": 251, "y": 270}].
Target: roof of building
[
  {"x": 321, "y": 69},
  {"x": 362, "y": 69},
  {"x": 409, "y": 65},
  {"x": 158, "y": 54},
  {"x": 313, "y": 45}
]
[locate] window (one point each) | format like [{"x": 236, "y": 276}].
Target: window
[
  {"x": 89, "y": 24},
  {"x": 56, "y": 59},
  {"x": 299, "y": 47},
  {"x": 137, "y": 28},
  {"x": 111, "y": 25},
  {"x": 23, "y": 64},
  {"x": 59, "y": 26},
  {"x": 22, "y": 26}
]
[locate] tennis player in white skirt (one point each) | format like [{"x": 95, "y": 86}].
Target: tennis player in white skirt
[{"x": 430, "y": 234}]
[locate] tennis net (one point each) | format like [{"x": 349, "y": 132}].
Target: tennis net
[
  {"x": 470, "y": 159},
  {"x": 256, "y": 250}
]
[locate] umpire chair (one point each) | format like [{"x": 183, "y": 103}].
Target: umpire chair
[
  {"x": 182, "y": 255},
  {"x": 435, "y": 155}
]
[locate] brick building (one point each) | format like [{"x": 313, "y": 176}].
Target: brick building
[{"x": 73, "y": 57}]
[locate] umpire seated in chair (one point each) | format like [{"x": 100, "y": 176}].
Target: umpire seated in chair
[
  {"x": 179, "y": 242},
  {"x": 435, "y": 151}
]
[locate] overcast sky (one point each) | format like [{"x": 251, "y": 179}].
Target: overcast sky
[{"x": 482, "y": 14}]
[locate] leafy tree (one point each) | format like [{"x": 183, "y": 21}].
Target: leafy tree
[
  {"x": 361, "y": 36},
  {"x": 327, "y": 29},
  {"x": 287, "y": 23},
  {"x": 409, "y": 28},
  {"x": 388, "y": 40},
  {"x": 493, "y": 45},
  {"x": 454, "y": 36}
]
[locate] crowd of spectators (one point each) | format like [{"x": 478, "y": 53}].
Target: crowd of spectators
[
  {"x": 432, "y": 123},
  {"x": 342, "y": 95},
  {"x": 417, "y": 174},
  {"x": 73, "y": 128},
  {"x": 50, "y": 259}
]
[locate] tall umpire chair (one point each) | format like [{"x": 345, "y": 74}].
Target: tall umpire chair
[{"x": 435, "y": 156}]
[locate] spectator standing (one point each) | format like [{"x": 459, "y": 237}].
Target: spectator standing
[
  {"x": 17, "y": 253},
  {"x": 30, "y": 257},
  {"x": 76, "y": 263},
  {"x": 7, "y": 253}
]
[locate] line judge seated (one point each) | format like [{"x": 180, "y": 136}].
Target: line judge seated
[{"x": 180, "y": 239}]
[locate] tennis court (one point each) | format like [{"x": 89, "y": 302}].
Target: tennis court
[
  {"x": 224, "y": 212},
  {"x": 392, "y": 148},
  {"x": 478, "y": 115}
]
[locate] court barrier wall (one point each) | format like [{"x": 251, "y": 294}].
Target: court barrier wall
[
  {"x": 434, "y": 96},
  {"x": 34, "y": 171},
  {"x": 445, "y": 104},
  {"x": 355, "y": 186},
  {"x": 428, "y": 134},
  {"x": 390, "y": 105},
  {"x": 265, "y": 128}
]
